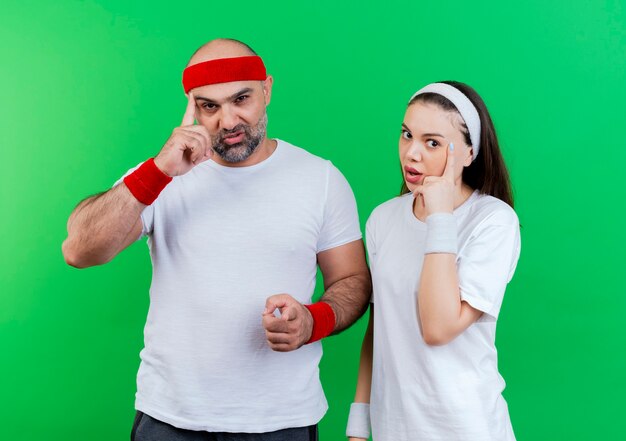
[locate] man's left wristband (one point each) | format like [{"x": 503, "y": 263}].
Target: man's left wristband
[
  {"x": 147, "y": 182},
  {"x": 323, "y": 320}
]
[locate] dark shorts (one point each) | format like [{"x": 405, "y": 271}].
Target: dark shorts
[{"x": 146, "y": 428}]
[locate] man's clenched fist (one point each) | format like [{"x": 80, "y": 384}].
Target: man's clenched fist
[{"x": 292, "y": 328}]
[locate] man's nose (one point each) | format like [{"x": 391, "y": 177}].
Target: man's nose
[{"x": 228, "y": 118}]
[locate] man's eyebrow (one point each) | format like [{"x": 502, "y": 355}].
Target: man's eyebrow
[{"x": 230, "y": 98}]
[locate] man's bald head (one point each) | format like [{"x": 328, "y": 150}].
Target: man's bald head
[
  {"x": 232, "y": 90},
  {"x": 221, "y": 48}
]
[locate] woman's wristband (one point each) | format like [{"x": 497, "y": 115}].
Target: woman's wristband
[
  {"x": 359, "y": 421},
  {"x": 147, "y": 182},
  {"x": 441, "y": 234},
  {"x": 323, "y": 320}
]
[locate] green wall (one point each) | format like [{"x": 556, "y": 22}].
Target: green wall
[{"x": 90, "y": 88}]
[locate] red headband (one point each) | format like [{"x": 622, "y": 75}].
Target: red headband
[{"x": 223, "y": 70}]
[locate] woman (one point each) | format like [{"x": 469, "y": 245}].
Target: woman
[{"x": 441, "y": 255}]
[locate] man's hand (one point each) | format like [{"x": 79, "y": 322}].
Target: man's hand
[
  {"x": 294, "y": 326},
  {"x": 188, "y": 146}
]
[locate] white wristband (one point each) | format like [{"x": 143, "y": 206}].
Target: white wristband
[
  {"x": 441, "y": 234},
  {"x": 359, "y": 421}
]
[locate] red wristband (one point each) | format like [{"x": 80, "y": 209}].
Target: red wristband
[
  {"x": 147, "y": 182},
  {"x": 323, "y": 320}
]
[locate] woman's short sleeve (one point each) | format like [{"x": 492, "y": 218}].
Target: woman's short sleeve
[{"x": 486, "y": 263}]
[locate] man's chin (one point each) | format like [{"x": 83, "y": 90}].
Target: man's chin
[
  {"x": 234, "y": 153},
  {"x": 238, "y": 145}
]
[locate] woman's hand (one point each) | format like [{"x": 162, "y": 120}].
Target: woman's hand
[{"x": 436, "y": 193}]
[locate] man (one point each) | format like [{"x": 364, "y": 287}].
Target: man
[{"x": 237, "y": 224}]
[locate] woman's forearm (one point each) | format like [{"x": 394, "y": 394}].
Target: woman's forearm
[
  {"x": 442, "y": 314},
  {"x": 364, "y": 383}
]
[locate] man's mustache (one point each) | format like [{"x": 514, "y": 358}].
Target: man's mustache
[{"x": 237, "y": 128}]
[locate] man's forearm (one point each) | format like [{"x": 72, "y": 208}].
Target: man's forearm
[
  {"x": 349, "y": 298},
  {"x": 100, "y": 226}
]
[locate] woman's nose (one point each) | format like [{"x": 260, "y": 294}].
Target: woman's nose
[{"x": 415, "y": 151}]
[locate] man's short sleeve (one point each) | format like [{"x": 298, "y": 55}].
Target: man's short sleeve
[
  {"x": 371, "y": 246},
  {"x": 341, "y": 219},
  {"x": 487, "y": 262},
  {"x": 147, "y": 215}
]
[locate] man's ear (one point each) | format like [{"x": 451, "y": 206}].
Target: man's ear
[{"x": 267, "y": 89}]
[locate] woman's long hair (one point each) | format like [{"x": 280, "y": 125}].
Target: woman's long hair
[{"x": 487, "y": 173}]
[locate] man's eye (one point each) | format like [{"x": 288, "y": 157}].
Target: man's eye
[
  {"x": 406, "y": 134},
  {"x": 241, "y": 98},
  {"x": 208, "y": 106},
  {"x": 432, "y": 143}
]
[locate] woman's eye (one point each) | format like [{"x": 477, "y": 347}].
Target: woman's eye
[
  {"x": 406, "y": 134},
  {"x": 432, "y": 143}
]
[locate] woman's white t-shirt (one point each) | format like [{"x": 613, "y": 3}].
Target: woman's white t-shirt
[{"x": 450, "y": 392}]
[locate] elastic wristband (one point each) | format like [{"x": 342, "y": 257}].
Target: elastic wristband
[
  {"x": 359, "y": 421},
  {"x": 323, "y": 320},
  {"x": 441, "y": 234},
  {"x": 147, "y": 182}
]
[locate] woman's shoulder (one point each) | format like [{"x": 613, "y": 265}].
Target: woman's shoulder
[
  {"x": 492, "y": 210},
  {"x": 389, "y": 208},
  {"x": 386, "y": 218}
]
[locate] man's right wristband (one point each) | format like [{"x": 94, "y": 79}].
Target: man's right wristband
[{"x": 147, "y": 182}]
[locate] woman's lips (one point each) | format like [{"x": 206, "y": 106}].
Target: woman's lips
[{"x": 412, "y": 176}]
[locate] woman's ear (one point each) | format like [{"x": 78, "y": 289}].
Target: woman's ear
[{"x": 469, "y": 157}]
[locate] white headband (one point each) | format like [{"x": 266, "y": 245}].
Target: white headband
[{"x": 464, "y": 106}]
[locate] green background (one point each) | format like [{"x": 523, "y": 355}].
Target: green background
[{"x": 90, "y": 88}]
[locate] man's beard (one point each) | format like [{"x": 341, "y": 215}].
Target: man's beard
[{"x": 242, "y": 150}]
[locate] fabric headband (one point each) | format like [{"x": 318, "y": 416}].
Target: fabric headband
[
  {"x": 224, "y": 70},
  {"x": 464, "y": 106}
]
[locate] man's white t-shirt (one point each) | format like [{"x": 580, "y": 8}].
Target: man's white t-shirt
[
  {"x": 454, "y": 391},
  {"x": 222, "y": 240}
]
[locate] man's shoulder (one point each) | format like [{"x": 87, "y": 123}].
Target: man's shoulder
[{"x": 293, "y": 152}]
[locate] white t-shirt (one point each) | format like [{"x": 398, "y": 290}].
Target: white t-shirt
[
  {"x": 222, "y": 240},
  {"x": 450, "y": 392}
]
